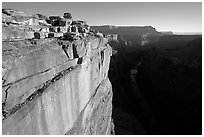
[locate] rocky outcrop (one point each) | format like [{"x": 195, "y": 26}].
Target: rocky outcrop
[{"x": 56, "y": 86}]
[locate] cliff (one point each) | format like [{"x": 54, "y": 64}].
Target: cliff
[
  {"x": 56, "y": 86},
  {"x": 134, "y": 35}
]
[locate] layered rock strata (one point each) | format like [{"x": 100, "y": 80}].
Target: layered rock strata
[{"x": 52, "y": 86}]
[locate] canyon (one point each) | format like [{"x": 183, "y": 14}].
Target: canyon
[
  {"x": 63, "y": 77},
  {"x": 158, "y": 86}
]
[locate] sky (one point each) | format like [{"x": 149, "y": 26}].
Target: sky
[{"x": 167, "y": 16}]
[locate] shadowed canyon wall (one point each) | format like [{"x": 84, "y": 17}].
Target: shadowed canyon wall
[{"x": 157, "y": 88}]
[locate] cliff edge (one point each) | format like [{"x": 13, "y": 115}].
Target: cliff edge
[{"x": 56, "y": 84}]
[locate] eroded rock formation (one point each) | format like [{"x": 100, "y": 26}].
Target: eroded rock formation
[
  {"x": 56, "y": 85},
  {"x": 135, "y": 35}
]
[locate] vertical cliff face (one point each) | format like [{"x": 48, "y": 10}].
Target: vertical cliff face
[
  {"x": 135, "y": 36},
  {"x": 56, "y": 87}
]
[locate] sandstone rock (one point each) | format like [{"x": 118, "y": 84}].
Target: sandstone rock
[
  {"x": 95, "y": 119},
  {"x": 54, "y": 81},
  {"x": 57, "y": 35},
  {"x": 29, "y": 35},
  {"x": 33, "y": 22},
  {"x": 67, "y": 15},
  {"x": 48, "y": 93}
]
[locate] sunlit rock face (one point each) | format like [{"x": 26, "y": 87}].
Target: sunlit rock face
[
  {"x": 54, "y": 81},
  {"x": 52, "y": 86}
]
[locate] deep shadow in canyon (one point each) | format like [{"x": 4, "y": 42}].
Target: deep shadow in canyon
[{"x": 157, "y": 88}]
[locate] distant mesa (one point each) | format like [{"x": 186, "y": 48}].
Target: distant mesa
[
  {"x": 125, "y": 29},
  {"x": 133, "y": 35},
  {"x": 167, "y": 32}
]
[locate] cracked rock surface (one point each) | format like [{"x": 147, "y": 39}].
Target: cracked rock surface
[
  {"x": 56, "y": 87},
  {"x": 54, "y": 79}
]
